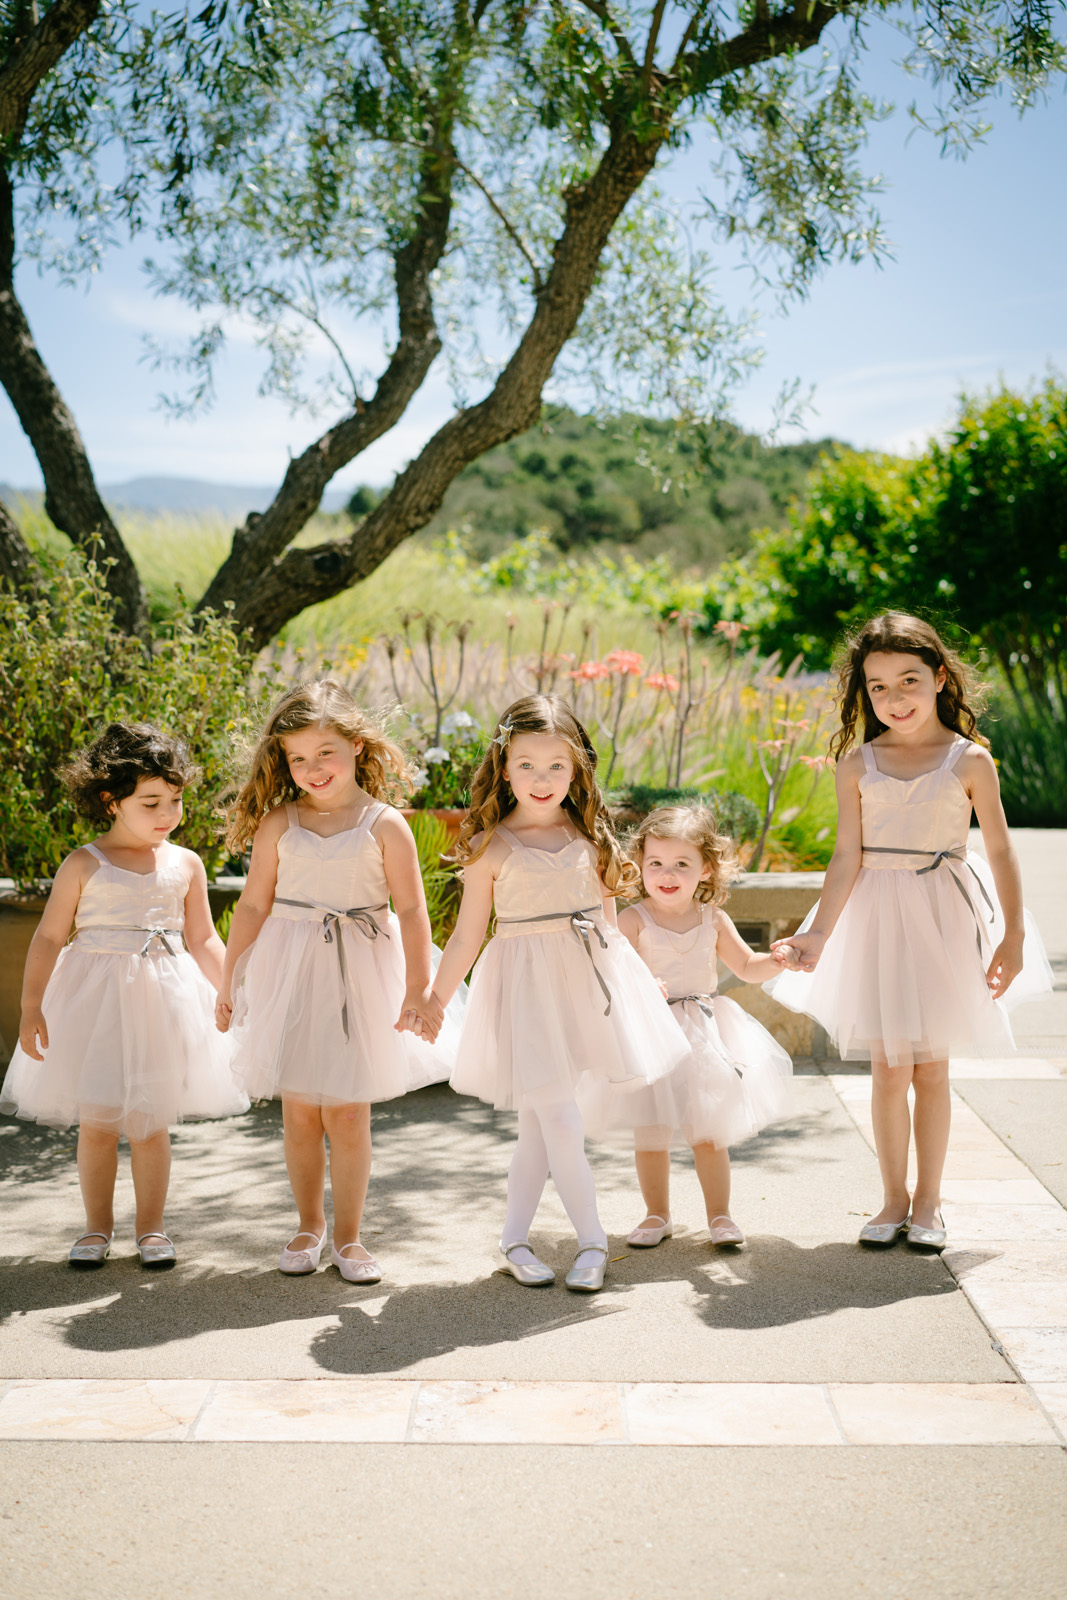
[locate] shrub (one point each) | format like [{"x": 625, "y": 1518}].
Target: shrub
[
  {"x": 1031, "y": 753},
  {"x": 66, "y": 670}
]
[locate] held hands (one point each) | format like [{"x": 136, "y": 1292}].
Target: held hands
[
  {"x": 223, "y": 1012},
  {"x": 800, "y": 952},
  {"x": 33, "y": 1031},
  {"x": 421, "y": 1014},
  {"x": 1006, "y": 965}
]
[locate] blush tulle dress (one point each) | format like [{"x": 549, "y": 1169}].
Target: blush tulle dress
[
  {"x": 316, "y": 996},
  {"x": 132, "y": 1042},
  {"x": 904, "y": 969},
  {"x": 734, "y": 1079},
  {"x": 558, "y": 993}
]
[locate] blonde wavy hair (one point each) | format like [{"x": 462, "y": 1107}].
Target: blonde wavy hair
[
  {"x": 697, "y": 826},
  {"x": 897, "y": 633},
  {"x": 491, "y": 797},
  {"x": 381, "y": 766}
]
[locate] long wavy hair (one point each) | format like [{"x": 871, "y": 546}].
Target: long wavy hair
[
  {"x": 491, "y": 797},
  {"x": 697, "y": 826},
  {"x": 381, "y": 766},
  {"x": 958, "y": 701}
]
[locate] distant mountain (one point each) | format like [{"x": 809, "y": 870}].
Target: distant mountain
[{"x": 184, "y": 497}]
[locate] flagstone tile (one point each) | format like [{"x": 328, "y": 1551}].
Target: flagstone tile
[
  {"x": 971, "y": 1224},
  {"x": 1037, "y": 1261},
  {"x": 729, "y": 1414},
  {"x": 1012, "y": 1067},
  {"x": 939, "y": 1414},
  {"x": 1053, "y": 1396},
  {"x": 101, "y": 1408},
  {"x": 1039, "y": 1354},
  {"x": 990, "y": 1191},
  {"x": 1019, "y": 1304},
  {"x": 356, "y": 1410},
  {"x": 518, "y": 1413}
]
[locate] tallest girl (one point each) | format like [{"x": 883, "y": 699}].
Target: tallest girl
[{"x": 913, "y": 946}]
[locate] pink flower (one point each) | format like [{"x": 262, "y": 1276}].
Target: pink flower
[
  {"x": 731, "y": 631},
  {"x": 589, "y": 671},
  {"x": 817, "y": 761},
  {"x": 663, "y": 680},
  {"x": 627, "y": 663}
]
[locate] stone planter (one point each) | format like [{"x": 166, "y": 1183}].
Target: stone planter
[
  {"x": 766, "y": 906},
  {"x": 19, "y": 916}
]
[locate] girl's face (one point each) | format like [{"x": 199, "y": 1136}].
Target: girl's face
[
  {"x": 903, "y": 690},
  {"x": 540, "y": 769},
  {"x": 322, "y": 762},
  {"x": 671, "y": 870},
  {"x": 151, "y": 812}
]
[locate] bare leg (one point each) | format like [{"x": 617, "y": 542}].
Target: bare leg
[
  {"x": 98, "y": 1165},
  {"x": 713, "y": 1170},
  {"x": 932, "y": 1117},
  {"x": 654, "y": 1176},
  {"x": 527, "y": 1177},
  {"x": 348, "y": 1130},
  {"x": 892, "y": 1133},
  {"x": 305, "y": 1162},
  {"x": 150, "y": 1167}
]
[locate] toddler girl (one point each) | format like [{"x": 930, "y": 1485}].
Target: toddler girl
[
  {"x": 116, "y": 1031},
  {"x": 317, "y": 968},
  {"x": 735, "y": 1078},
  {"x": 557, "y": 993},
  {"x": 914, "y": 943}
]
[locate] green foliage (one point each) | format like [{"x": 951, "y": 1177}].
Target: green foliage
[
  {"x": 1031, "y": 754},
  {"x": 439, "y": 881},
  {"x": 735, "y": 814},
  {"x": 66, "y": 671}
]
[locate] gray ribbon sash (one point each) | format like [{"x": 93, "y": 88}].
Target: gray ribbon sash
[
  {"x": 704, "y": 1002},
  {"x": 153, "y": 934},
  {"x": 957, "y": 853},
  {"x": 583, "y": 924},
  {"x": 363, "y": 919}
]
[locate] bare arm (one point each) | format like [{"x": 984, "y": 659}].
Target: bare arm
[
  {"x": 804, "y": 949},
  {"x": 630, "y": 925},
  {"x": 751, "y": 966},
  {"x": 402, "y": 874},
  {"x": 462, "y": 949},
  {"x": 980, "y": 777},
  {"x": 205, "y": 946},
  {"x": 52, "y": 934},
  {"x": 253, "y": 908}
]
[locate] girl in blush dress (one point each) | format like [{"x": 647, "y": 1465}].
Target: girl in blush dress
[
  {"x": 557, "y": 993},
  {"x": 318, "y": 969},
  {"x": 117, "y": 1029},
  {"x": 911, "y": 952},
  {"x": 735, "y": 1078}
]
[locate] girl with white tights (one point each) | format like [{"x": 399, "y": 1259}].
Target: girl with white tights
[{"x": 557, "y": 993}]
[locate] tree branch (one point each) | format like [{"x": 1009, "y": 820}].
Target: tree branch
[
  {"x": 511, "y": 231},
  {"x": 766, "y": 37},
  {"x": 34, "y": 57},
  {"x": 316, "y": 322},
  {"x": 650, "y": 47},
  {"x": 603, "y": 13}
]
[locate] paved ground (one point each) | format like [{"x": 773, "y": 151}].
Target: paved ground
[{"x": 800, "y": 1417}]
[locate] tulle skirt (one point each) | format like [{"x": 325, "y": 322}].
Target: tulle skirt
[
  {"x": 902, "y": 974},
  {"x": 734, "y": 1081},
  {"x": 291, "y": 1004},
  {"x": 132, "y": 1047},
  {"x": 535, "y": 1020}
]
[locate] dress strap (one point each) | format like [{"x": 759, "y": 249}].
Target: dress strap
[
  {"x": 371, "y": 815},
  {"x": 98, "y": 853},
  {"x": 868, "y": 758},
  {"x": 646, "y": 916},
  {"x": 292, "y": 814},
  {"x": 506, "y": 834},
  {"x": 954, "y": 752}
]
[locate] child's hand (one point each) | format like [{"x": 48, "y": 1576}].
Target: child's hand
[
  {"x": 33, "y": 1030},
  {"x": 801, "y": 950},
  {"x": 1006, "y": 965},
  {"x": 223, "y": 1012},
  {"x": 664, "y": 991},
  {"x": 421, "y": 1014}
]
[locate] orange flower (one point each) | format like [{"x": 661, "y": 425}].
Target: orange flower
[{"x": 663, "y": 680}]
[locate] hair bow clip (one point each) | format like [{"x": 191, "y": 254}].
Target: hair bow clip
[{"x": 503, "y": 738}]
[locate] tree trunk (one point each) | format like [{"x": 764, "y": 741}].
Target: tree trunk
[{"x": 16, "y": 561}]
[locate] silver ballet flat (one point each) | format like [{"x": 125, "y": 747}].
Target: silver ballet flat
[
  {"x": 84, "y": 1254},
  {"x": 883, "y": 1232},
  {"x": 928, "y": 1238},
  {"x": 531, "y": 1274},
  {"x": 162, "y": 1254},
  {"x": 355, "y": 1269},
  {"x": 587, "y": 1280}
]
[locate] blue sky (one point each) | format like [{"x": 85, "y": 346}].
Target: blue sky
[{"x": 975, "y": 293}]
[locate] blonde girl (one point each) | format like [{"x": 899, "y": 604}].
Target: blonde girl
[
  {"x": 557, "y": 993},
  {"x": 318, "y": 970},
  {"x": 117, "y": 1027},
  {"x": 735, "y": 1078},
  {"x": 909, "y": 954}
]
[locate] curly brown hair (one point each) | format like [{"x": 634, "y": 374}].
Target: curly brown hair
[
  {"x": 697, "y": 825},
  {"x": 491, "y": 798},
  {"x": 381, "y": 766},
  {"x": 112, "y": 766},
  {"x": 958, "y": 701}
]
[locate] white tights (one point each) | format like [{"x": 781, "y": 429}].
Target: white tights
[{"x": 551, "y": 1140}]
